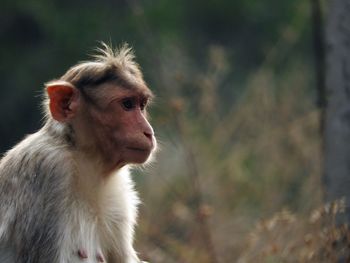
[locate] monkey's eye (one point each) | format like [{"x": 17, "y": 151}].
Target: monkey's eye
[
  {"x": 143, "y": 104},
  {"x": 128, "y": 104}
]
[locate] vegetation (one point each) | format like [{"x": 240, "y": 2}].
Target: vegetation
[{"x": 238, "y": 172}]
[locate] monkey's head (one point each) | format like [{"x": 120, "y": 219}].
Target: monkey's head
[{"x": 104, "y": 103}]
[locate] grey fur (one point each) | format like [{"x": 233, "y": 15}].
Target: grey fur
[{"x": 32, "y": 193}]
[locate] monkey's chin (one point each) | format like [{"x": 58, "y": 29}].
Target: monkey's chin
[{"x": 137, "y": 155}]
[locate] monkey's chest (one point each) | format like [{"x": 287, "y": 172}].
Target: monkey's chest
[
  {"x": 83, "y": 236},
  {"x": 82, "y": 242},
  {"x": 101, "y": 230}
]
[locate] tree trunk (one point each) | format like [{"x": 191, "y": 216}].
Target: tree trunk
[{"x": 337, "y": 128}]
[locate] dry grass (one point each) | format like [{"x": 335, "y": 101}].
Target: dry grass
[
  {"x": 228, "y": 162},
  {"x": 287, "y": 237}
]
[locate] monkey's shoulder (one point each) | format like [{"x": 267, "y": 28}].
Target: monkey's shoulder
[
  {"x": 33, "y": 150},
  {"x": 34, "y": 165}
]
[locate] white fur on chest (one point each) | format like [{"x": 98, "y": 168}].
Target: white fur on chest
[{"x": 101, "y": 218}]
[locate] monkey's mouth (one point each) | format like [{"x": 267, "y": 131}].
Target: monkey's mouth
[{"x": 138, "y": 149}]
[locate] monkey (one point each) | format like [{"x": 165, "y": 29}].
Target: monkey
[{"x": 66, "y": 194}]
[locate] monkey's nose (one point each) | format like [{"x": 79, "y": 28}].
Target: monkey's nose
[{"x": 149, "y": 135}]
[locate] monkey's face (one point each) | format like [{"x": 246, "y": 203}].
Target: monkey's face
[
  {"x": 119, "y": 127},
  {"x": 110, "y": 122}
]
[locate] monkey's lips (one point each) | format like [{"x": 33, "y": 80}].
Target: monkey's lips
[
  {"x": 145, "y": 150},
  {"x": 142, "y": 147}
]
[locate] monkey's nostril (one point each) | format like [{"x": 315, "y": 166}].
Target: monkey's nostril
[{"x": 148, "y": 135}]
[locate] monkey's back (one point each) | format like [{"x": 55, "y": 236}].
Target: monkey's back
[{"x": 32, "y": 195}]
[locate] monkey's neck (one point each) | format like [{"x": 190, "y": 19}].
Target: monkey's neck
[
  {"x": 91, "y": 170},
  {"x": 90, "y": 177}
]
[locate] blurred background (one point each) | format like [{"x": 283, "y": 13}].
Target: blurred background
[{"x": 239, "y": 115}]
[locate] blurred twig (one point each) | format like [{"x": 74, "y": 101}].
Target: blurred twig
[
  {"x": 200, "y": 206},
  {"x": 320, "y": 68},
  {"x": 319, "y": 52}
]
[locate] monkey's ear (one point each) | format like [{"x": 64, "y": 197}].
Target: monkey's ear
[{"x": 64, "y": 100}]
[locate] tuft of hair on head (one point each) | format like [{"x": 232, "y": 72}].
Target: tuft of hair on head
[
  {"x": 121, "y": 56},
  {"x": 106, "y": 65}
]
